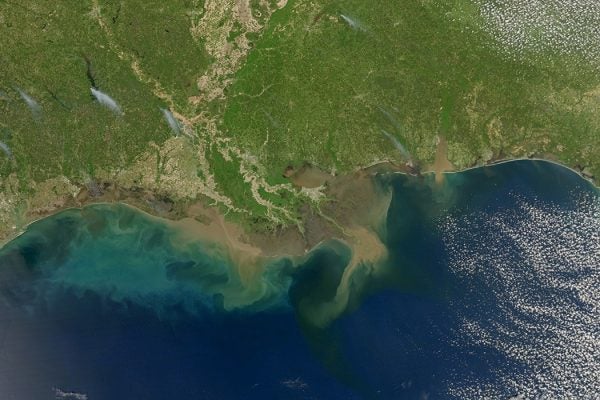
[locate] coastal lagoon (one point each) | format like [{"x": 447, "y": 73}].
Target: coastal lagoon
[{"x": 489, "y": 286}]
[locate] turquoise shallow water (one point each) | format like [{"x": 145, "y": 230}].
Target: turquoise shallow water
[{"x": 490, "y": 288}]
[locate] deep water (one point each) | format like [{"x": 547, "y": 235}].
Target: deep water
[{"x": 490, "y": 289}]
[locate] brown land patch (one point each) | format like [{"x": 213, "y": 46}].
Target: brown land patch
[{"x": 308, "y": 176}]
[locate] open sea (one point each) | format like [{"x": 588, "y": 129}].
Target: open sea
[{"x": 490, "y": 289}]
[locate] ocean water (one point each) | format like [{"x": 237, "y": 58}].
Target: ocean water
[{"x": 490, "y": 289}]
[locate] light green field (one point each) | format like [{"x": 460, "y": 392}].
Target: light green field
[
  {"x": 318, "y": 88},
  {"x": 339, "y": 84}
]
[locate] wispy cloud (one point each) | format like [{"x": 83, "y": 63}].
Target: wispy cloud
[
  {"x": 60, "y": 394},
  {"x": 296, "y": 383},
  {"x": 34, "y": 107},
  {"x": 405, "y": 154},
  {"x": 106, "y": 101},
  {"x": 398, "y": 128},
  {"x": 4, "y": 147},
  {"x": 353, "y": 23},
  {"x": 172, "y": 121},
  {"x": 390, "y": 118}
]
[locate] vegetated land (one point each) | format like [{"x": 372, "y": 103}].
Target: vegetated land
[
  {"x": 328, "y": 78},
  {"x": 257, "y": 86}
]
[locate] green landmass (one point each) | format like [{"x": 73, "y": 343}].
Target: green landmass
[
  {"x": 259, "y": 87},
  {"x": 318, "y": 88}
]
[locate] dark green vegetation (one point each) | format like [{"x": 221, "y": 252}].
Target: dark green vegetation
[
  {"x": 45, "y": 46},
  {"x": 158, "y": 33},
  {"x": 340, "y": 84},
  {"x": 327, "y": 77}
]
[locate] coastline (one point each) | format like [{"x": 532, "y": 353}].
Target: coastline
[
  {"x": 275, "y": 243},
  {"x": 356, "y": 216},
  {"x": 418, "y": 283},
  {"x": 590, "y": 179}
]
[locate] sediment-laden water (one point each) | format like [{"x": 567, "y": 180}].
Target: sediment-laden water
[{"x": 490, "y": 287}]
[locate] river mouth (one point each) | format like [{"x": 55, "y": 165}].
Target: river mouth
[{"x": 440, "y": 290}]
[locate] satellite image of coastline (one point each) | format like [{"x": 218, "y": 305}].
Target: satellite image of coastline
[{"x": 299, "y": 199}]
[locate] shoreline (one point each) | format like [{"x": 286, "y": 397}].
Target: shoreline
[
  {"x": 355, "y": 216},
  {"x": 251, "y": 238},
  {"x": 590, "y": 179}
]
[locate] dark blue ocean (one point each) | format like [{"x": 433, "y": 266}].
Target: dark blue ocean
[{"x": 490, "y": 289}]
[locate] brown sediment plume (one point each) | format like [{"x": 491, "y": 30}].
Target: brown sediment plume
[
  {"x": 218, "y": 230},
  {"x": 355, "y": 215},
  {"x": 360, "y": 208},
  {"x": 353, "y": 200},
  {"x": 228, "y": 241},
  {"x": 368, "y": 252},
  {"x": 441, "y": 163},
  {"x": 363, "y": 229}
]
